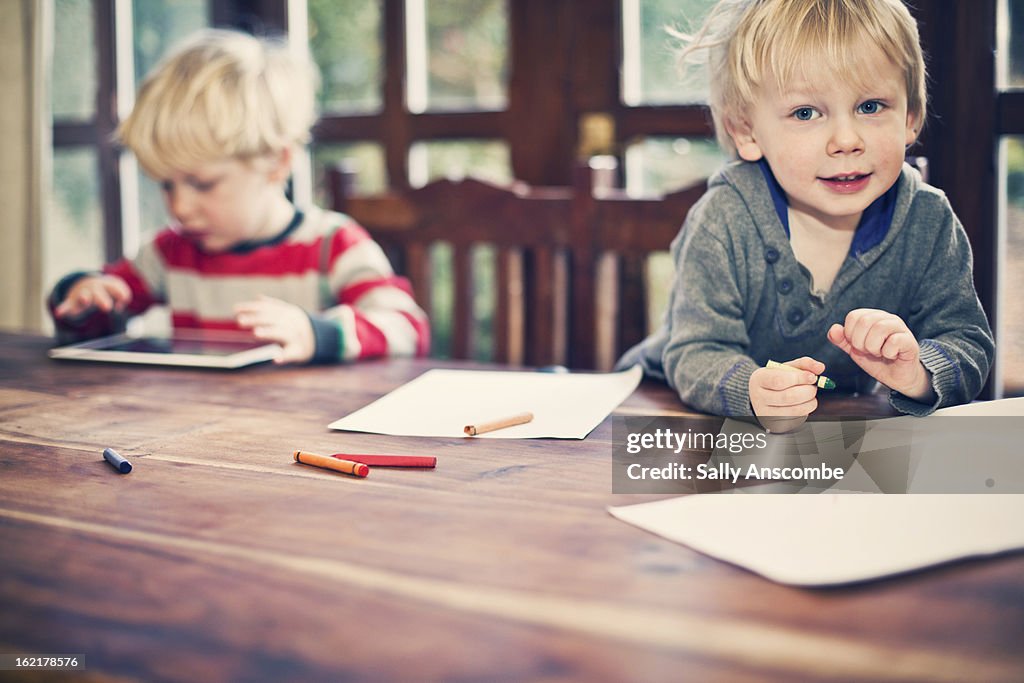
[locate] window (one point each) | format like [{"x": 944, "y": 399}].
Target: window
[
  {"x": 404, "y": 108},
  {"x": 1010, "y": 80},
  {"x": 415, "y": 89},
  {"x": 346, "y": 39},
  {"x": 101, "y": 206},
  {"x": 457, "y": 52}
]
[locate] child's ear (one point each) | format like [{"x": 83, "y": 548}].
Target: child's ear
[
  {"x": 743, "y": 138},
  {"x": 913, "y": 128},
  {"x": 281, "y": 165}
]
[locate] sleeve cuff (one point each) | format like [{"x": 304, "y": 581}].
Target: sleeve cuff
[
  {"x": 329, "y": 342},
  {"x": 946, "y": 382},
  {"x": 734, "y": 390}
]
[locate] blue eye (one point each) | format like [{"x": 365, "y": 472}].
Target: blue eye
[
  {"x": 870, "y": 107},
  {"x": 805, "y": 114}
]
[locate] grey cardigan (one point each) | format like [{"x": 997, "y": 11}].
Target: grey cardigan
[{"x": 740, "y": 298}]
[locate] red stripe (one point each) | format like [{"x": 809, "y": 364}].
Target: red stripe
[
  {"x": 184, "y": 320},
  {"x": 142, "y": 298},
  {"x": 372, "y": 341},
  {"x": 422, "y": 327},
  {"x": 271, "y": 260},
  {"x": 346, "y": 237},
  {"x": 352, "y": 293}
]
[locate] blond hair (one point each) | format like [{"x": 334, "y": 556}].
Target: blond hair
[
  {"x": 745, "y": 42},
  {"x": 221, "y": 95}
]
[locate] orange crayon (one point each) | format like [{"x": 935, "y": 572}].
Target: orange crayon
[{"x": 356, "y": 469}]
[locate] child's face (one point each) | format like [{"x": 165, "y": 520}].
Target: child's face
[
  {"x": 219, "y": 204},
  {"x": 834, "y": 147}
]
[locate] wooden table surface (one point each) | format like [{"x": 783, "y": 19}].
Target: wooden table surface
[{"x": 220, "y": 559}]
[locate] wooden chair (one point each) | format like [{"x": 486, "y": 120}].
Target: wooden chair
[{"x": 568, "y": 261}]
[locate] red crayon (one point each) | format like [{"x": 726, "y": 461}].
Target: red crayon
[{"x": 389, "y": 460}]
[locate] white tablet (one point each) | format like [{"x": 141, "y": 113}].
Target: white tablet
[{"x": 193, "y": 348}]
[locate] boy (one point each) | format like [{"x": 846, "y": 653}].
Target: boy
[
  {"x": 819, "y": 243},
  {"x": 217, "y": 123}
]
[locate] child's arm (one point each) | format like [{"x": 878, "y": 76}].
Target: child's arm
[
  {"x": 105, "y": 293},
  {"x": 372, "y": 313},
  {"x": 705, "y": 355},
  {"x": 946, "y": 322},
  {"x": 87, "y": 305}
]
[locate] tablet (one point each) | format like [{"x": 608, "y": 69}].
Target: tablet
[{"x": 189, "y": 348}]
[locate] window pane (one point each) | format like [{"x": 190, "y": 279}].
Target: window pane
[
  {"x": 660, "y": 271},
  {"x": 650, "y": 71},
  {"x": 442, "y": 296},
  {"x": 152, "y": 208},
  {"x": 484, "y": 159},
  {"x": 442, "y": 300},
  {"x": 365, "y": 158},
  {"x": 346, "y": 40},
  {"x": 457, "y": 55},
  {"x": 1010, "y": 345},
  {"x": 159, "y": 25},
  {"x": 484, "y": 300},
  {"x": 74, "y": 60},
  {"x": 1011, "y": 43},
  {"x": 74, "y": 235},
  {"x": 656, "y": 165}
]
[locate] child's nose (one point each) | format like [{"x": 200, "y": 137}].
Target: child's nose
[
  {"x": 845, "y": 138},
  {"x": 179, "y": 203}
]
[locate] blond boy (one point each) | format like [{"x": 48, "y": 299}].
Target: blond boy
[
  {"x": 217, "y": 124},
  {"x": 819, "y": 243}
]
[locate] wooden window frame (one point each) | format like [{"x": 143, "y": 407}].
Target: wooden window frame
[{"x": 576, "y": 72}]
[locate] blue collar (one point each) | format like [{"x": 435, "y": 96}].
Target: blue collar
[
  {"x": 874, "y": 222},
  {"x": 296, "y": 221}
]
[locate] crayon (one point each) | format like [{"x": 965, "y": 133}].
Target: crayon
[
  {"x": 493, "y": 425},
  {"x": 823, "y": 381},
  {"x": 389, "y": 460},
  {"x": 356, "y": 469},
  {"x": 117, "y": 461}
]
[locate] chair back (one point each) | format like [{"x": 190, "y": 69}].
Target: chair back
[{"x": 560, "y": 271}]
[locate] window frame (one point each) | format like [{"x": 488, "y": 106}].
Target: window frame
[{"x": 577, "y": 73}]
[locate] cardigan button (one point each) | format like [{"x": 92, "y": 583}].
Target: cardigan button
[
  {"x": 795, "y": 317},
  {"x": 771, "y": 254},
  {"x": 785, "y": 286}
]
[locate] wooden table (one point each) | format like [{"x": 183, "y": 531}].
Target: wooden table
[{"x": 220, "y": 559}]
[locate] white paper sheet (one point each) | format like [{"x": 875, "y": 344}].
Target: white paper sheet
[
  {"x": 443, "y": 402},
  {"x": 1005, "y": 407},
  {"x": 818, "y": 540}
]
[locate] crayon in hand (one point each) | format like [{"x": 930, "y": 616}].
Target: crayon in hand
[{"x": 823, "y": 381}]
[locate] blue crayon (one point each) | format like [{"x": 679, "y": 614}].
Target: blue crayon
[{"x": 115, "y": 459}]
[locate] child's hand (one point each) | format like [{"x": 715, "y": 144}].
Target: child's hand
[
  {"x": 782, "y": 399},
  {"x": 281, "y": 322},
  {"x": 885, "y": 348},
  {"x": 104, "y": 292}
]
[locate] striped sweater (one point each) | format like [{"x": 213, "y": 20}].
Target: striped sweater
[{"x": 324, "y": 262}]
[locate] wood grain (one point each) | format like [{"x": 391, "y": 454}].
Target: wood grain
[{"x": 220, "y": 558}]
